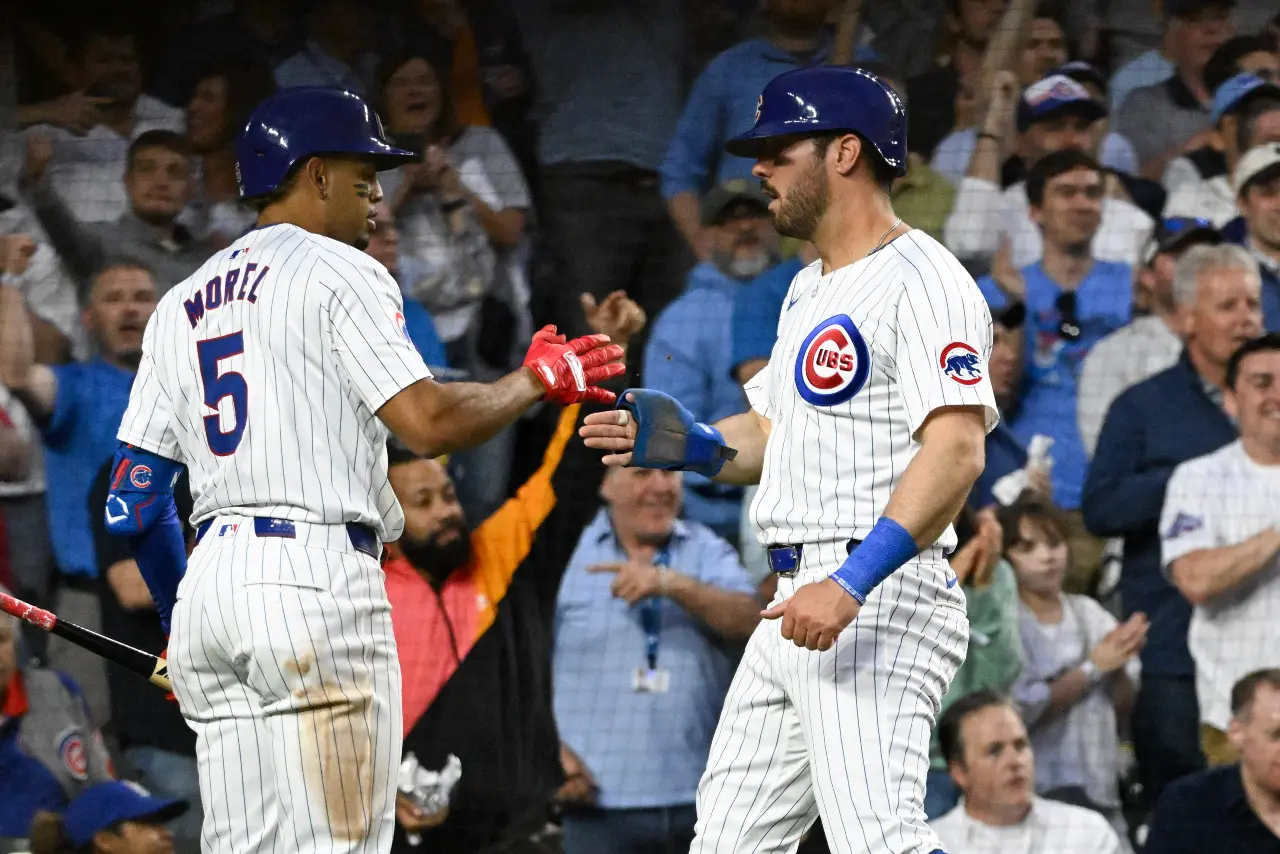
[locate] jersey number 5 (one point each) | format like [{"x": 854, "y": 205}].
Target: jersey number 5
[{"x": 219, "y": 385}]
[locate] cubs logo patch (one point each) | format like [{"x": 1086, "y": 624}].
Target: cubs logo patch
[
  {"x": 833, "y": 363},
  {"x": 403, "y": 327},
  {"x": 961, "y": 363},
  {"x": 71, "y": 751},
  {"x": 140, "y": 476}
]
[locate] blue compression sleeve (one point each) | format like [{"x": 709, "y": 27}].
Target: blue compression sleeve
[
  {"x": 140, "y": 506},
  {"x": 886, "y": 548}
]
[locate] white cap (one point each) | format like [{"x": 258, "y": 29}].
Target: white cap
[{"x": 1255, "y": 161}]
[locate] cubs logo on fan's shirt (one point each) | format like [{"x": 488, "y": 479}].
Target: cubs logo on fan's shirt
[
  {"x": 863, "y": 355},
  {"x": 71, "y": 750}
]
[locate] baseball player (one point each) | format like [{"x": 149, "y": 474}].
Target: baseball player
[
  {"x": 273, "y": 374},
  {"x": 865, "y": 433}
]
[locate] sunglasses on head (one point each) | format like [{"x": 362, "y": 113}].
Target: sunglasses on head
[{"x": 1069, "y": 322}]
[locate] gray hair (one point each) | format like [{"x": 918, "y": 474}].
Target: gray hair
[{"x": 1199, "y": 260}]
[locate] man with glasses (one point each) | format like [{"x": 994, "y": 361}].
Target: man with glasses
[
  {"x": 1070, "y": 301},
  {"x": 1151, "y": 342}
]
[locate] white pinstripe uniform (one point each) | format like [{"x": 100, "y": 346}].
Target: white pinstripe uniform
[
  {"x": 262, "y": 373},
  {"x": 863, "y": 355}
]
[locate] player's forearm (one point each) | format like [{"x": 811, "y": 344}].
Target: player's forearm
[
  {"x": 747, "y": 433},
  {"x": 732, "y": 616},
  {"x": 1207, "y": 573},
  {"x": 453, "y": 416},
  {"x": 938, "y": 479}
]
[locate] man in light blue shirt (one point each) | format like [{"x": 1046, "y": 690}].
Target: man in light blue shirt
[
  {"x": 689, "y": 354},
  {"x": 649, "y": 610},
  {"x": 1069, "y": 301},
  {"x": 722, "y": 104},
  {"x": 1188, "y": 25}
]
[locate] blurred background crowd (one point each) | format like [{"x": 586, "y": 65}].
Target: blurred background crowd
[{"x": 1108, "y": 170}]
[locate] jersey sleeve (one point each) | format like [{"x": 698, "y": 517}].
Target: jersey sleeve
[
  {"x": 366, "y": 314},
  {"x": 943, "y": 343},
  {"x": 1185, "y": 526},
  {"x": 148, "y": 420},
  {"x": 759, "y": 390}
]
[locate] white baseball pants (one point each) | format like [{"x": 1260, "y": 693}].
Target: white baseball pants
[
  {"x": 284, "y": 663},
  {"x": 842, "y": 733}
]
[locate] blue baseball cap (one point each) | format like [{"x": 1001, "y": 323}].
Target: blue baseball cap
[
  {"x": 101, "y": 806},
  {"x": 1231, "y": 95},
  {"x": 1054, "y": 95},
  {"x": 1174, "y": 234}
]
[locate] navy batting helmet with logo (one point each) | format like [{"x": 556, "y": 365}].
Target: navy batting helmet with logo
[
  {"x": 306, "y": 121},
  {"x": 825, "y": 98}
]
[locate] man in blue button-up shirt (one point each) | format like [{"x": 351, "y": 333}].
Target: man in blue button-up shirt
[
  {"x": 722, "y": 104},
  {"x": 690, "y": 352},
  {"x": 648, "y": 611}
]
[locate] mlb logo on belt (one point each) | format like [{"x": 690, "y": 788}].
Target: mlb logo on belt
[
  {"x": 833, "y": 363},
  {"x": 961, "y": 363}
]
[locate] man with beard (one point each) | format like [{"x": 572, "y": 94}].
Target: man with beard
[
  {"x": 690, "y": 352},
  {"x": 472, "y": 616},
  {"x": 865, "y": 433},
  {"x": 157, "y": 177},
  {"x": 723, "y": 102},
  {"x": 77, "y": 408}
]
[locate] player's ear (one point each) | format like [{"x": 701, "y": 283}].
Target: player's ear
[
  {"x": 317, "y": 172},
  {"x": 848, "y": 150}
]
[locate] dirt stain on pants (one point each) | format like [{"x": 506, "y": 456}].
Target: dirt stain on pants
[{"x": 335, "y": 729}]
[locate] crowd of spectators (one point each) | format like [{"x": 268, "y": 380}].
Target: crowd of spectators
[{"x": 1108, "y": 172}]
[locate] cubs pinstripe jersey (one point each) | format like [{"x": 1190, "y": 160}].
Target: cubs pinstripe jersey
[
  {"x": 263, "y": 373},
  {"x": 863, "y": 355}
]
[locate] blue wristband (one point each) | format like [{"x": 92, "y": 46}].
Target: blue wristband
[{"x": 884, "y": 550}]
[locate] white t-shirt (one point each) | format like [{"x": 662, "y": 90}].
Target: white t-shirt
[
  {"x": 1214, "y": 501},
  {"x": 864, "y": 355},
  {"x": 1050, "y": 828},
  {"x": 263, "y": 373}
]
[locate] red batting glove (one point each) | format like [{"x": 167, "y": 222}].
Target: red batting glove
[{"x": 571, "y": 370}]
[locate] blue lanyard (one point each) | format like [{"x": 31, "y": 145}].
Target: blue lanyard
[{"x": 651, "y": 615}]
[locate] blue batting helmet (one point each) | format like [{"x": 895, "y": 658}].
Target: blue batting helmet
[
  {"x": 826, "y": 98},
  {"x": 302, "y": 122}
]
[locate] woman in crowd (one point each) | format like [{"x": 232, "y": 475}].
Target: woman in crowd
[
  {"x": 462, "y": 214},
  {"x": 225, "y": 94}
]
